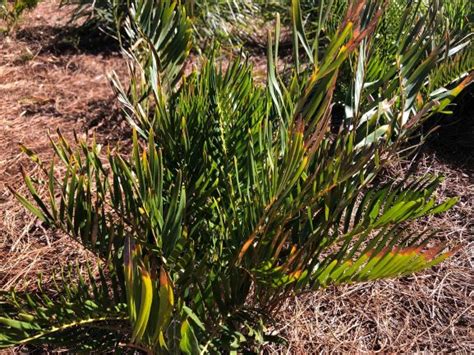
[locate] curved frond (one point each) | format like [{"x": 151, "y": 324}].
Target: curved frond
[
  {"x": 79, "y": 313},
  {"x": 159, "y": 33}
]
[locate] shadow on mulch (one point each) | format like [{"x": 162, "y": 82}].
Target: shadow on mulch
[
  {"x": 101, "y": 116},
  {"x": 104, "y": 117},
  {"x": 453, "y": 138},
  {"x": 67, "y": 40},
  {"x": 46, "y": 108}
]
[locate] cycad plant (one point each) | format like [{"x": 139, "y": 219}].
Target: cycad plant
[
  {"x": 224, "y": 21},
  {"x": 448, "y": 30},
  {"x": 234, "y": 196}
]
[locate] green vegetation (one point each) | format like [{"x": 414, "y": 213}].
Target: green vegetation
[
  {"x": 449, "y": 31},
  {"x": 211, "y": 20},
  {"x": 10, "y": 12},
  {"x": 235, "y": 195}
]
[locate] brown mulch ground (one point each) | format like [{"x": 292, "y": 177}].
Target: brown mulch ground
[{"x": 54, "y": 76}]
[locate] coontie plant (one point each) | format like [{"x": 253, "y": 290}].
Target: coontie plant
[
  {"x": 211, "y": 20},
  {"x": 234, "y": 196},
  {"x": 435, "y": 26}
]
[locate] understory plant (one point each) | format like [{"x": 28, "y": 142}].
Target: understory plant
[
  {"x": 10, "y": 11},
  {"x": 449, "y": 29},
  {"x": 221, "y": 21},
  {"x": 235, "y": 196}
]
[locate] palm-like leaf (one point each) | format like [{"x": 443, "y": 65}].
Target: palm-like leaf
[
  {"x": 161, "y": 35},
  {"x": 79, "y": 313}
]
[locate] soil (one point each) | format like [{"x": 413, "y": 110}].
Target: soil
[{"x": 53, "y": 75}]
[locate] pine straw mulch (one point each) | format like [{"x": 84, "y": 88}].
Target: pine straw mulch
[{"x": 54, "y": 76}]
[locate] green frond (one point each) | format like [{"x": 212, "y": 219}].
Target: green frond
[
  {"x": 452, "y": 70},
  {"x": 78, "y": 313},
  {"x": 160, "y": 34}
]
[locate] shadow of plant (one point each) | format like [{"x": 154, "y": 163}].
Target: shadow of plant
[
  {"x": 453, "y": 139},
  {"x": 105, "y": 117},
  {"x": 68, "y": 40}
]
